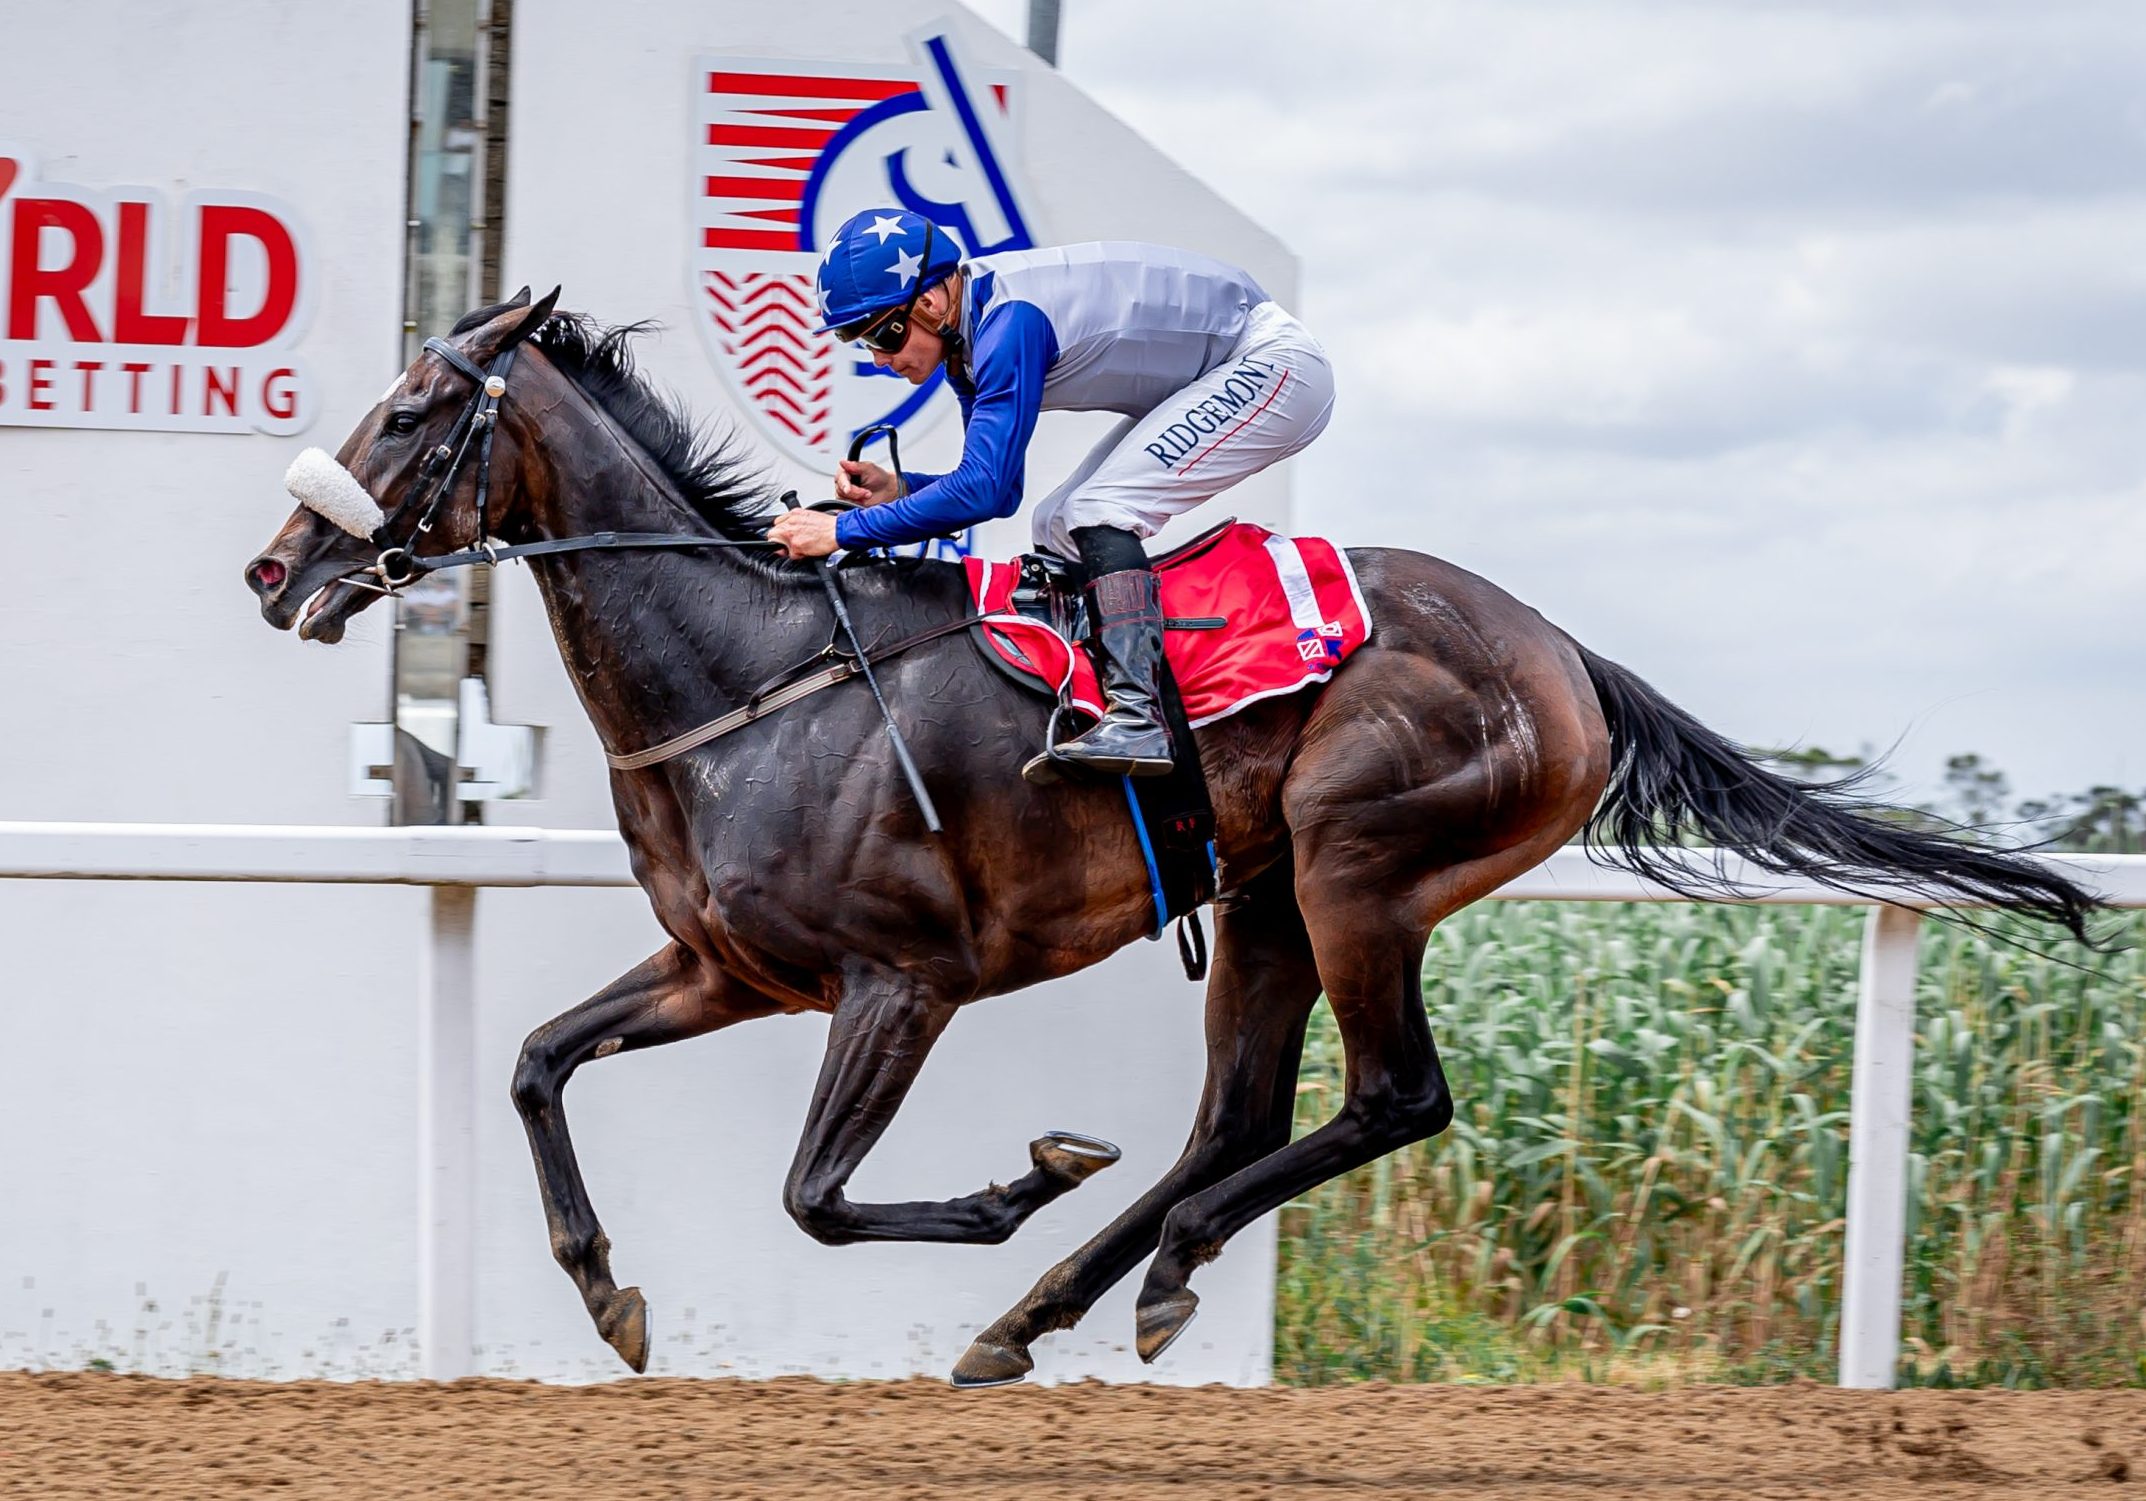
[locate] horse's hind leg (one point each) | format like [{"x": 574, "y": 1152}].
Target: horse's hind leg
[
  {"x": 1259, "y": 996},
  {"x": 671, "y": 996},
  {"x": 882, "y": 1031},
  {"x": 1370, "y": 945},
  {"x": 1396, "y": 1094}
]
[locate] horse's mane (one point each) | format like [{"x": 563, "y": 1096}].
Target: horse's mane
[{"x": 709, "y": 467}]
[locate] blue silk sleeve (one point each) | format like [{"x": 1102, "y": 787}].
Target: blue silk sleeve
[{"x": 1014, "y": 351}]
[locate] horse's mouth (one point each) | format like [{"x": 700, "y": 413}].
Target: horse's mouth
[
  {"x": 329, "y": 610},
  {"x": 315, "y": 597}
]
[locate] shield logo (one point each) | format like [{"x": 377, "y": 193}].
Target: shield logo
[{"x": 784, "y": 152}]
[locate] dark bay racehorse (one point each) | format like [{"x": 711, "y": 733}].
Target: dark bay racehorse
[{"x": 789, "y": 864}]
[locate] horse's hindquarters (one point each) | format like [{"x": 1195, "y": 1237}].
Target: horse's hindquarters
[{"x": 1465, "y": 730}]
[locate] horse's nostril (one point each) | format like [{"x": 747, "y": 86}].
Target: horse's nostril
[{"x": 265, "y": 574}]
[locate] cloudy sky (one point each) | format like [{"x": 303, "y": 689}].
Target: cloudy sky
[{"x": 1792, "y": 354}]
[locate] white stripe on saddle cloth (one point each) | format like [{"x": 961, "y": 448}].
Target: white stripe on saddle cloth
[{"x": 1296, "y": 583}]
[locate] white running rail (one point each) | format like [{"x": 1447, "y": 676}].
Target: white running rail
[{"x": 454, "y": 862}]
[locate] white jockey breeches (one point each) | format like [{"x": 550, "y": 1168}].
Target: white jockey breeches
[{"x": 1271, "y": 396}]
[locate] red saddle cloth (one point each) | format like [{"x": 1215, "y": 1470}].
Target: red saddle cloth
[{"x": 1292, "y": 604}]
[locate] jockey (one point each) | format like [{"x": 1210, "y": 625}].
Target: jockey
[{"x": 1213, "y": 380}]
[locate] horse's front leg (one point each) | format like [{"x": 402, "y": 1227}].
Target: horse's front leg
[
  {"x": 673, "y": 995},
  {"x": 883, "y": 1029}
]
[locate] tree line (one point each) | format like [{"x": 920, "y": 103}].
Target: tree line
[{"x": 2102, "y": 820}]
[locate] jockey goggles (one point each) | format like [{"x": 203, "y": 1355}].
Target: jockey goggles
[{"x": 887, "y": 331}]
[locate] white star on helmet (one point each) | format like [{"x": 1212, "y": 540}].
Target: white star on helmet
[
  {"x": 884, "y": 225},
  {"x": 906, "y": 265}
]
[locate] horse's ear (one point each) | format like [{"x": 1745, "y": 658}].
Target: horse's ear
[
  {"x": 530, "y": 321},
  {"x": 519, "y": 299}
]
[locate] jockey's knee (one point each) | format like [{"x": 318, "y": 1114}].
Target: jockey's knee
[{"x": 1109, "y": 549}]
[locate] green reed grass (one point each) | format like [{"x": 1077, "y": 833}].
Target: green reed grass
[{"x": 1647, "y": 1171}]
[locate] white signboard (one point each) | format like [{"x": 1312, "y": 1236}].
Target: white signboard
[{"x": 119, "y": 310}]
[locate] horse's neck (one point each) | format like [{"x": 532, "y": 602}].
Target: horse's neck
[{"x": 655, "y": 640}]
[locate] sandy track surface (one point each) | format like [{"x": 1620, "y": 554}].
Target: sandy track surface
[{"x": 100, "y": 1435}]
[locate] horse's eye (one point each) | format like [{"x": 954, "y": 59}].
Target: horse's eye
[{"x": 402, "y": 424}]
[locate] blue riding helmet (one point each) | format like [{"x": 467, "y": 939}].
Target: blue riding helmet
[{"x": 880, "y": 259}]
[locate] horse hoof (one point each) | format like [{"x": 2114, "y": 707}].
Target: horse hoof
[
  {"x": 989, "y": 1365},
  {"x": 624, "y": 1326},
  {"x": 1158, "y": 1325},
  {"x": 1071, "y": 1157}
]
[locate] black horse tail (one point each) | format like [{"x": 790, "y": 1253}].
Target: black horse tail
[{"x": 1673, "y": 781}]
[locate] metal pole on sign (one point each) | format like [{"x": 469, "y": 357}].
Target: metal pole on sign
[
  {"x": 1879, "y": 1097},
  {"x": 1043, "y": 30},
  {"x": 447, "y": 1137}
]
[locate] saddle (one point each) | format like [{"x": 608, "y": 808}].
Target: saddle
[
  {"x": 1248, "y": 615},
  {"x": 1051, "y": 590},
  {"x": 1172, "y": 815}
]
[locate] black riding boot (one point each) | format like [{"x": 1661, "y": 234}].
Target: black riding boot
[{"x": 1125, "y": 612}]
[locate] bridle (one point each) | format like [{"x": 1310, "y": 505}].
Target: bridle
[{"x": 399, "y": 563}]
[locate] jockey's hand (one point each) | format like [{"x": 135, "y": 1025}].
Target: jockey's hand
[
  {"x": 863, "y": 483},
  {"x": 804, "y": 534}
]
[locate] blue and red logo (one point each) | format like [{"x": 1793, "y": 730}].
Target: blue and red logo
[
  {"x": 788, "y": 150},
  {"x": 1321, "y": 644}
]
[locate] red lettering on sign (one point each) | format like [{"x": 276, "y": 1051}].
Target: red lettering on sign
[
  {"x": 206, "y": 299},
  {"x": 219, "y": 385},
  {"x": 221, "y": 223},
  {"x": 131, "y": 324},
  {"x": 29, "y": 283},
  {"x": 279, "y": 394}
]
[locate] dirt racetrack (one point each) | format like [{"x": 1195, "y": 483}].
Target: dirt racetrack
[{"x": 129, "y": 1436}]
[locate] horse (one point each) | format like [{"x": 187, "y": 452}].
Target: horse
[{"x": 789, "y": 864}]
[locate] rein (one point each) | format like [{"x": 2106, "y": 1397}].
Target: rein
[
  {"x": 594, "y": 541},
  {"x": 399, "y": 565}
]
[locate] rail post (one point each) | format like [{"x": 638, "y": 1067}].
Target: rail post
[
  {"x": 447, "y": 1137},
  {"x": 1879, "y": 1097}
]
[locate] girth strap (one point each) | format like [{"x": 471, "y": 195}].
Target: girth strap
[
  {"x": 773, "y": 701},
  {"x": 736, "y": 719}
]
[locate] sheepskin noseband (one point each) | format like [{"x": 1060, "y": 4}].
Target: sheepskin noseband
[{"x": 317, "y": 482}]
